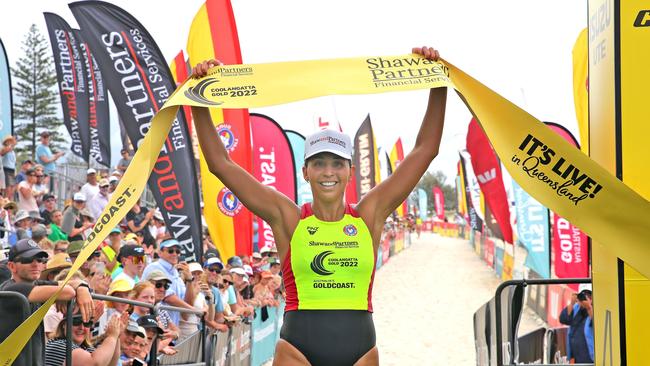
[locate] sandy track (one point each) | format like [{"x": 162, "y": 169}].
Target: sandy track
[{"x": 424, "y": 300}]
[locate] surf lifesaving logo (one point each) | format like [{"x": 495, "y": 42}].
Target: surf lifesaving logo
[
  {"x": 196, "y": 92},
  {"x": 350, "y": 230},
  {"x": 228, "y": 203},
  {"x": 317, "y": 264}
]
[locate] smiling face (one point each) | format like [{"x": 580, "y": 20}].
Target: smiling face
[{"x": 328, "y": 175}]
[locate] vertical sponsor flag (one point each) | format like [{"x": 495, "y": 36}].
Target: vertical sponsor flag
[
  {"x": 140, "y": 82},
  {"x": 396, "y": 157},
  {"x": 6, "y": 111},
  {"x": 180, "y": 69},
  {"x": 475, "y": 220},
  {"x": 71, "y": 78},
  {"x": 365, "y": 159},
  {"x": 99, "y": 123},
  {"x": 570, "y": 244},
  {"x": 273, "y": 165},
  {"x": 439, "y": 202},
  {"x": 423, "y": 202},
  {"x": 488, "y": 172},
  {"x": 532, "y": 230},
  {"x": 581, "y": 88},
  {"x": 213, "y": 34},
  {"x": 460, "y": 191},
  {"x": 303, "y": 188}
]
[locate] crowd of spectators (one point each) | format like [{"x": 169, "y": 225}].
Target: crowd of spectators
[{"x": 41, "y": 235}]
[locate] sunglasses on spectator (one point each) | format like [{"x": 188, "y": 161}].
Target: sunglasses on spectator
[
  {"x": 103, "y": 186},
  {"x": 31, "y": 260},
  {"x": 161, "y": 284},
  {"x": 214, "y": 269},
  {"x": 226, "y": 282},
  {"x": 137, "y": 259},
  {"x": 173, "y": 250},
  {"x": 94, "y": 255},
  {"x": 79, "y": 321},
  {"x": 39, "y": 176}
]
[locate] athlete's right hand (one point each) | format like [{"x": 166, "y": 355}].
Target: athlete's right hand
[{"x": 201, "y": 69}]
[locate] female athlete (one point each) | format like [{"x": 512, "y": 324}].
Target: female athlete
[{"x": 328, "y": 248}]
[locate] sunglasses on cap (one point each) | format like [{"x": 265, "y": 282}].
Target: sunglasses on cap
[
  {"x": 30, "y": 260},
  {"x": 160, "y": 284},
  {"x": 173, "y": 250},
  {"x": 79, "y": 321}
]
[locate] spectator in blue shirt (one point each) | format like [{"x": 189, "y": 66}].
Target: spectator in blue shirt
[
  {"x": 44, "y": 155},
  {"x": 578, "y": 315},
  {"x": 178, "y": 294}
]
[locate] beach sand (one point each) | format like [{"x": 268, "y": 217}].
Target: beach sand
[{"x": 424, "y": 300}]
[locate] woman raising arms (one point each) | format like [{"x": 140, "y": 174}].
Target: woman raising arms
[{"x": 328, "y": 248}]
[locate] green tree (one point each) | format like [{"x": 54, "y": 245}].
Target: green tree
[
  {"x": 35, "y": 99},
  {"x": 438, "y": 178}
]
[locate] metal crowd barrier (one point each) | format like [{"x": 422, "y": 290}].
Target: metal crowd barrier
[
  {"x": 524, "y": 283},
  {"x": 17, "y": 306},
  {"x": 205, "y": 358}
]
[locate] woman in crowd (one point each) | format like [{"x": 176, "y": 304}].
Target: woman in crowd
[
  {"x": 189, "y": 323},
  {"x": 161, "y": 284},
  {"x": 83, "y": 352},
  {"x": 340, "y": 308}
]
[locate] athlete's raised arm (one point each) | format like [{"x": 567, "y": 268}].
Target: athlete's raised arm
[
  {"x": 267, "y": 203},
  {"x": 387, "y": 196}
]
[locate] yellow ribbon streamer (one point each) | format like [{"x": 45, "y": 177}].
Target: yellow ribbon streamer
[{"x": 554, "y": 172}]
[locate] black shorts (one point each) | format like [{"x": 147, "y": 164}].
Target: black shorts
[{"x": 330, "y": 337}]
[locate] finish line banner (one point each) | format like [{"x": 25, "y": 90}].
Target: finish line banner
[{"x": 546, "y": 166}]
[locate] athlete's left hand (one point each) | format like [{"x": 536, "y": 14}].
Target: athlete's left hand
[{"x": 428, "y": 52}]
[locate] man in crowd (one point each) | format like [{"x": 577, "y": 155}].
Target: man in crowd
[
  {"x": 112, "y": 181},
  {"x": 579, "y": 315},
  {"x": 132, "y": 342},
  {"x": 97, "y": 203},
  {"x": 39, "y": 232},
  {"x": 178, "y": 294},
  {"x": 91, "y": 187},
  {"x": 73, "y": 224},
  {"x": 213, "y": 267},
  {"x": 22, "y": 225},
  {"x": 138, "y": 219},
  {"x": 49, "y": 205},
  {"x": 132, "y": 259},
  {"x": 24, "y": 167},
  {"x": 44, "y": 155},
  {"x": 26, "y": 262},
  {"x": 124, "y": 162}
]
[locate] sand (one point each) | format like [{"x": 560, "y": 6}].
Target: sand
[{"x": 424, "y": 300}]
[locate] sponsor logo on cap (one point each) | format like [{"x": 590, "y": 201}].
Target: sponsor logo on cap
[{"x": 228, "y": 203}]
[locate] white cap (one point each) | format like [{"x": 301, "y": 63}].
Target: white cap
[
  {"x": 257, "y": 255},
  {"x": 91, "y": 171},
  {"x": 239, "y": 271},
  {"x": 79, "y": 197},
  {"x": 331, "y": 141},
  {"x": 195, "y": 267},
  {"x": 248, "y": 269},
  {"x": 584, "y": 286},
  {"x": 112, "y": 179}
]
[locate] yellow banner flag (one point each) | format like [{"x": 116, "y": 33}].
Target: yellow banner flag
[{"x": 546, "y": 166}]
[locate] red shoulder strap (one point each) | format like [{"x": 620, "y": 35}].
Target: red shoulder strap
[
  {"x": 351, "y": 210},
  {"x": 305, "y": 210}
]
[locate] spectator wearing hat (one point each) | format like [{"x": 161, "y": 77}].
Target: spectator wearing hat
[
  {"x": 138, "y": 219},
  {"x": 74, "y": 248},
  {"x": 153, "y": 330},
  {"x": 24, "y": 167},
  {"x": 26, "y": 262},
  {"x": 124, "y": 161},
  {"x": 91, "y": 187},
  {"x": 263, "y": 293},
  {"x": 258, "y": 263},
  {"x": 133, "y": 341},
  {"x": 240, "y": 283},
  {"x": 39, "y": 233},
  {"x": 22, "y": 226},
  {"x": 99, "y": 201},
  {"x": 178, "y": 272},
  {"x": 44, "y": 155},
  {"x": 112, "y": 181},
  {"x": 26, "y": 197},
  {"x": 120, "y": 289},
  {"x": 203, "y": 300},
  {"x": 578, "y": 315},
  {"x": 56, "y": 220},
  {"x": 49, "y": 205},
  {"x": 274, "y": 266},
  {"x": 162, "y": 283},
  {"x": 234, "y": 262},
  {"x": 9, "y": 163},
  {"x": 111, "y": 249},
  {"x": 87, "y": 221},
  {"x": 158, "y": 229},
  {"x": 83, "y": 353},
  {"x": 213, "y": 267},
  {"x": 73, "y": 224},
  {"x": 131, "y": 257},
  {"x": 55, "y": 265}
]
